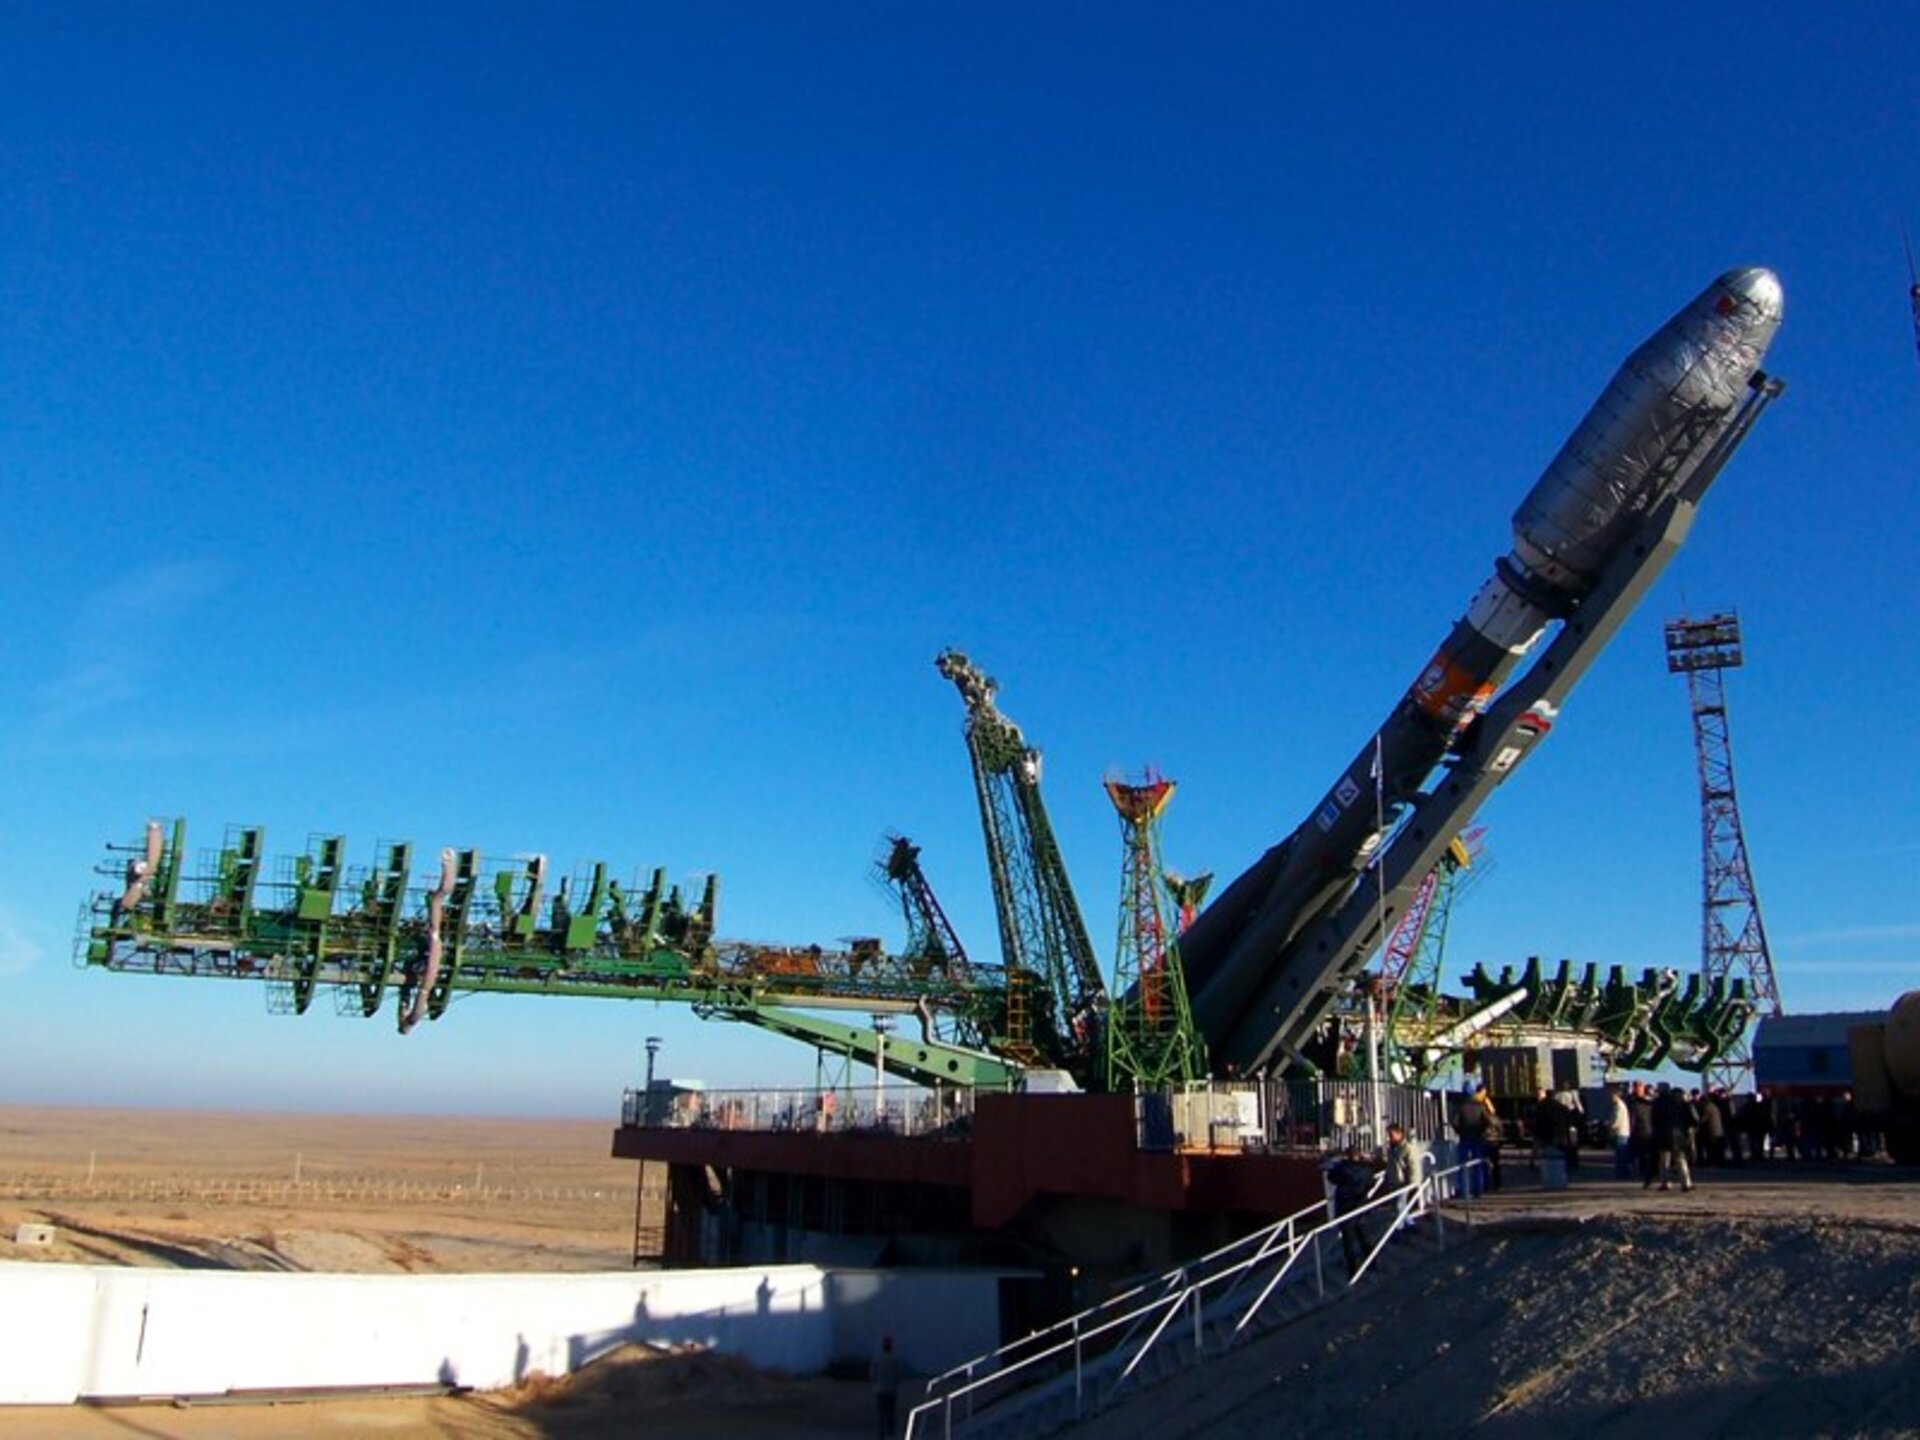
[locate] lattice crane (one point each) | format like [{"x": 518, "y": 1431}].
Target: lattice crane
[
  {"x": 1056, "y": 998},
  {"x": 932, "y": 948}
]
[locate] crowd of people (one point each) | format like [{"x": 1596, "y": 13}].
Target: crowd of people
[
  {"x": 1661, "y": 1133},
  {"x": 1656, "y": 1132}
]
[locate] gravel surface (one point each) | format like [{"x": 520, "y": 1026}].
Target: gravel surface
[{"x": 1771, "y": 1305}]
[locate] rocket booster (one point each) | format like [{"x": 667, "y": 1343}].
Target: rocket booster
[{"x": 1661, "y": 415}]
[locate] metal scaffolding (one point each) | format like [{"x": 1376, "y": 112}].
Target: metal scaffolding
[
  {"x": 1151, "y": 1042},
  {"x": 1733, "y": 946}
]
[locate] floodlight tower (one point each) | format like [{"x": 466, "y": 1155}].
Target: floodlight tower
[{"x": 1733, "y": 939}]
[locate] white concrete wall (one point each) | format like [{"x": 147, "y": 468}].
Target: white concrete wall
[
  {"x": 70, "y": 1331},
  {"x": 938, "y": 1318}
]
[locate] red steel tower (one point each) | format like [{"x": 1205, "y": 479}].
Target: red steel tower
[
  {"x": 1151, "y": 1043},
  {"x": 1733, "y": 939}
]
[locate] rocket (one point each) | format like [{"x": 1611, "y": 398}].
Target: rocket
[{"x": 1655, "y": 436}]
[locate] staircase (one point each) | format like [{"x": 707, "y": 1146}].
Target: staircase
[{"x": 1087, "y": 1363}]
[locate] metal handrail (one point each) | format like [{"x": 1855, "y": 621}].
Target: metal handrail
[
  {"x": 1415, "y": 1198},
  {"x": 1180, "y": 1276},
  {"x": 1411, "y": 1199},
  {"x": 903, "y": 1109},
  {"x": 1403, "y": 1199}
]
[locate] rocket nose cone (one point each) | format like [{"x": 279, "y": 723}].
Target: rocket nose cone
[{"x": 1757, "y": 288}]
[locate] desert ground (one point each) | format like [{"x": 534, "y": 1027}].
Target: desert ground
[
  {"x": 1779, "y": 1301},
  {"x": 360, "y": 1194}
]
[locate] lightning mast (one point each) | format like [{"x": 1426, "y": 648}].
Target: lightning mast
[
  {"x": 1733, "y": 948},
  {"x": 1151, "y": 1042}
]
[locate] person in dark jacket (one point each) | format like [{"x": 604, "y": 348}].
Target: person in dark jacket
[
  {"x": 1640, "y": 1125},
  {"x": 1713, "y": 1129},
  {"x": 1472, "y": 1117},
  {"x": 1351, "y": 1182},
  {"x": 1675, "y": 1120},
  {"x": 1549, "y": 1125}
]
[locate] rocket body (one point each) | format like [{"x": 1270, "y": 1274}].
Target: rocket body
[{"x": 1662, "y": 413}]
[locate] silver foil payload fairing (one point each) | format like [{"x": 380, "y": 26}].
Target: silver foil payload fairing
[{"x": 1662, "y": 415}]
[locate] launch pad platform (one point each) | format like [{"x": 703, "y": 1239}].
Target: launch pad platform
[{"x": 1066, "y": 1184}]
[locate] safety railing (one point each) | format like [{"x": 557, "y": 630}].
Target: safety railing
[
  {"x": 903, "y": 1110},
  {"x": 1117, "y": 1335},
  {"x": 1293, "y": 1116},
  {"x": 1287, "y": 1115},
  {"x": 971, "y": 1379}
]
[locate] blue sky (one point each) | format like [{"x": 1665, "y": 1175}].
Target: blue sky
[{"x": 577, "y": 428}]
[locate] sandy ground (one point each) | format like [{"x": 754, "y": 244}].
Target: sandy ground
[
  {"x": 360, "y": 1194},
  {"x": 1769, "y": 1302},
  {"x": 631, "y": 1392}
]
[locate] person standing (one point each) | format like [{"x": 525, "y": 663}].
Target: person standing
[
  {"x": 1550, "y": 1125},
  {"x": 1738, "y": 1149},
  {"x": 1402, "y": 1165},
  {"x": 1674, "y": 1123},
  {"x": 1470, "y": 1120},
  {"x": 1620, "y": 1129},
  {"x": 1663, "y": 1103},
  {"x": 1640, "y": 1122},
  {"x": 1759, "y": 1118},
  {"x": 1576, "y": 1116},
  {"x": 885, "y": 1373},
  {"x": 1713, "y": 1129},
  {"x": 1403, "y": 1171},
  {"x": 1686, "y": 1135},
  {"x": 1495, "y": 1137},
  {"x": 1351, "y": 1182},
  {"x": 1543, "y": 1125},
  {"x": 1846, "y": 1127}
]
